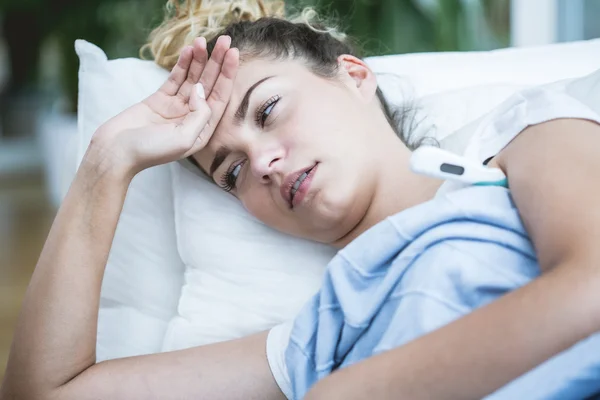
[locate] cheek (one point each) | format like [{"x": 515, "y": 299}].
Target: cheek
[
  {"x": 311, "y": 125},
  {"x": 329, "y": 123},
  {"x": 260, "y": 204}
]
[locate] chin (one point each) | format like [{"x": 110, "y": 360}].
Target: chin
[{"x": 335, "y": 218}]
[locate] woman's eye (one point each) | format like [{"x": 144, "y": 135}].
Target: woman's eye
[
  {"x": 229, "y": 181},
  {"x": 266, "y": 110},
  {"x": 266, "y": 113}
]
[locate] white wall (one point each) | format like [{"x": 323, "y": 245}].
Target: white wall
[{"x": 534, "y": 22}]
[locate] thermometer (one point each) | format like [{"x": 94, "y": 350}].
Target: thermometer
[{"x": 442, "y": 164}]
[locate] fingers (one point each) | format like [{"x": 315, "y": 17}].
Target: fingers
[
  {"x": 194, "y": 66},
  {"x": 197, "y": 98},
  {"x": 196, "y": 147},
  {"x": 179, "y": 72},
  {"x": 214, "y": 65},
  {"x": 199, "y": 60},
  {"x": 221, "y": 92},
  {"x": 216, "y": 81},
  {"x": 193, "y": 130}
]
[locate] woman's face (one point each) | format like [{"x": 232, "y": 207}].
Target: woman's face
[{"x": 298, "y": 149}]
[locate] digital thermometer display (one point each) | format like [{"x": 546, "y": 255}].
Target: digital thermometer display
[{"x": 452, "y": 169}]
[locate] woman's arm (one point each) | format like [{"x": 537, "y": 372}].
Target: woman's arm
[
  {"x": 54, "y": 351},
  {"x": 553, "y": 170},
  {"x": 54, "y": 336}
]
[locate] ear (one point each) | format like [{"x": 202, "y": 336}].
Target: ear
[{"x": 361, "y": 76}]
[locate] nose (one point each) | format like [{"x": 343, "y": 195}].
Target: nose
[{"x": 266, "y": 160}]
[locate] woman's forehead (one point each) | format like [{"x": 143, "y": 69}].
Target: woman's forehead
[
  {"x": 253, "y": 70},
  {"x": 249, "y": 73}
]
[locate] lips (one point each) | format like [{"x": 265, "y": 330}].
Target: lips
[{"x": 292, "y": 183}]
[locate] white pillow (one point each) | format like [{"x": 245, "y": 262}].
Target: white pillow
[
  {"x": 430, "y": 73},
  {"x": 227, "y": 275},
  {"x": 143, "y": 276},
  {"x": 241, "y": 276}
]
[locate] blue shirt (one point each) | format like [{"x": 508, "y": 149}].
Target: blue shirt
[{"x": 417, "y": 271}]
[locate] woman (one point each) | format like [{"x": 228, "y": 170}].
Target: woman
[{"x": 300, "y": 103}]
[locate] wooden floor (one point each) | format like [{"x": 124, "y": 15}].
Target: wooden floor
[{"x": 25, "y": 219}]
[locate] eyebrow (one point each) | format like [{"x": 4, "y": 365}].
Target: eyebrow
[
  {"x": 220, "y": 156},
  {"x": 242, "y": 110}
]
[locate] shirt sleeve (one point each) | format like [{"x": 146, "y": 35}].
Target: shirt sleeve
[
  {"x": 490, "y": 134},
  {"x": 527, "y": 108},
  {"x": 277, "y": 341}
]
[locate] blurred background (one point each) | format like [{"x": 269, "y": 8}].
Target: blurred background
[{"x": 38, "y": 85}]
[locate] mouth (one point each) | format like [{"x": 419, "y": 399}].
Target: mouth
[{"x": 296, "y": 185}]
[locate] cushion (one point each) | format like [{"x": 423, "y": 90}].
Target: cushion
[
  {"x": 430, "y": 73},
  {"x": 189, "y": 266},
  {"x": 144, "y": 274},
  {"x": 241, "y": 276}
]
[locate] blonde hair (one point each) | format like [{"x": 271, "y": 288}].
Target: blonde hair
[{"x": 186, "y": 20}]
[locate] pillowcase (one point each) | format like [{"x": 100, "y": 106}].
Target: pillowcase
[
  {"x": 144, "y": 273},
  {"x": 431, "y": 73},
  {"x": 241, "y": 277}
]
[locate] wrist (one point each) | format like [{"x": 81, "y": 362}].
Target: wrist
[{"x": 105, "y": 161}]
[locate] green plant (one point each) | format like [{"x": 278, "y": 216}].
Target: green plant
[
  {"x": 406, "y": 26},
  {"x": 120, "y": 27}
]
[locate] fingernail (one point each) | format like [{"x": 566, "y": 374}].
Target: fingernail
[
  {"x": 227, "y": 39},
  {"x": 200, "y": 91}
]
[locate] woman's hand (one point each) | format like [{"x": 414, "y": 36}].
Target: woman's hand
[{"x": 176, "y": 121}]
